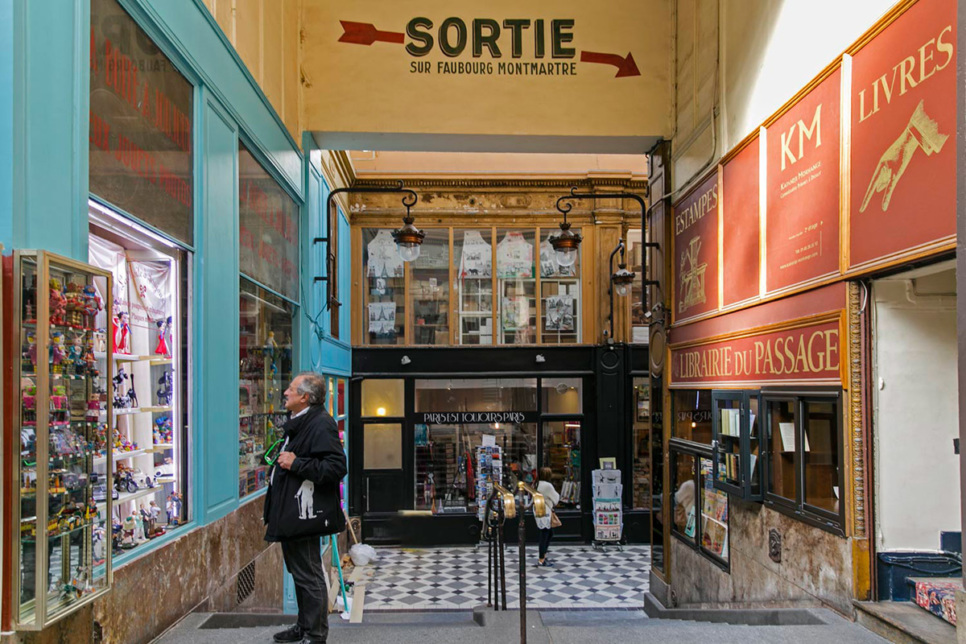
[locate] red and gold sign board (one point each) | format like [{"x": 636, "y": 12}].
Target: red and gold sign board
[
  {"x": 903, "y": 179},
  {"x": 741, "y": 224},
  {"x": 696, "y": 251},
  {"x": 802, "y": 190},
  {"x": 806, "y": 352}
]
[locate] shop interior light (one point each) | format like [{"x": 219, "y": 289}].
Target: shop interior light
[
  {"x": 381, "y": 411},
  {"x": 408, "y": 238}
]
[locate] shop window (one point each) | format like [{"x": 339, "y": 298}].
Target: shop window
[
  {"x": 384, "y": 294},
  {"x": 561, "y": 395},
  {"x": 455, "y": 394},
  {"x": 268, "y": 226},
  {"x": 140, "y": 153},
  {"x": 684, "y": 474},
  {"x": 692, "y": 415},
  {"x": 453, "y": 463},
  {"x": 736, "y": 445},
  {"x": 559, "y": 297},
  {"x": 517, "y": 285},
  {"x": 473, "y": 261},
  {"x": 383, "y": 398},
  {"x": 151, "y": 312},
  {"x": 382, "y": 446},
  {"x": 700, "y": 515},
  {"x": 561, "y": 453},
  {"x": 429, "y": 290},
  {"x": 640, "y": 330},
  {"x": 805, "y": 458},
  {"x": 641, "y": 445},
  {"x": 265, "y": 369}
]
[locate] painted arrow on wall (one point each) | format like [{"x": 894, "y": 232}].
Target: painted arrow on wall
[
  {"x": 625, "y": 65},
  {"x": 364, "y": 33}
]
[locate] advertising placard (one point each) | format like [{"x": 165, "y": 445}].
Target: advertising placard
[
  {"x": 740, "y": 232},
  {"x": 696, "y": 251}
]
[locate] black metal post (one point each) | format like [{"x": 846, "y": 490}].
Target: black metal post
[
  {"x": 502, "y": 548},
  {"x": 522, "y": 537},
  {"x": 332, "y": 285},
  {"x": 490, "y": 581},
  {"x": 610, "y": 283}
]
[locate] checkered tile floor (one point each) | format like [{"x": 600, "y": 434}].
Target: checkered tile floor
[{"x": 455, "y": 578}]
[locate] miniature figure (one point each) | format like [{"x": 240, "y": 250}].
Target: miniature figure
[
  {"x": 139, "y": 523},
  {"x": 92, "y": 304},
  {"x": 58, "y": 303},
  {"x": 120, "y": 399},
  {"x": 165, "y": 390},
  {"x": 57, "y": 351},
  {"x": 128, "y": 540},
  {"x": 30, "y": 355},
  {"x": 122, "y": 333},
  {"x": 164, "y": 337}
]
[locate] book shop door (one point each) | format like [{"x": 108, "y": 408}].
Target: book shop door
[{"x": 383, "y": 467}]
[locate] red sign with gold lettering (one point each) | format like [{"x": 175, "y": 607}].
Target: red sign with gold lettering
[
  {"x": 806, "y": 354},
  {"x": 802, "y": 192},
  {"x": 740, "y": 208},
  {"x": 696, "y": 251},
  {"x": 903, "y": 135}
]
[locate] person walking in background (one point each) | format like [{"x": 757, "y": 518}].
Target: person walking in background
[{"x": 545, "y": 523}]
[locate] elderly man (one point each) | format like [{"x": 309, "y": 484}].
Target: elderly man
[{"x": 303, "y": 502}]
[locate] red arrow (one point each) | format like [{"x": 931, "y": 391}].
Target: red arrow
[
  {"x": 364, "y": 33},
  {"x": 625, "y": 66}
]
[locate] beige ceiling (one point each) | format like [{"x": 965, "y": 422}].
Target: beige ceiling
[{"x": 479, "y": 165}]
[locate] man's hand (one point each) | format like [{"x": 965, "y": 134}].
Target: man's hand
[{"x": 285, "y": 460}]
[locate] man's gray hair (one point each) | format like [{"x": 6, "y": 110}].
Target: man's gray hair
[{"x": 312, "y": 385}]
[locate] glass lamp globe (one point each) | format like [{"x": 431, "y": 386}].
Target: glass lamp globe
[
  {"x": 622, "y": 289},
  {"x": 566, "y": 256},
  {"x": 408, "y": 251}
]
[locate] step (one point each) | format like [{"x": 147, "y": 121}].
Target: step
[{"x": 904, "y": 622}]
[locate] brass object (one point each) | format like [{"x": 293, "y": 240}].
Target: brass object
[
  {"x": 509, "y": 503},
  {"x": 539, "y": 504}
]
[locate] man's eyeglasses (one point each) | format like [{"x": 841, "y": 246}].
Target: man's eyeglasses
[{"x": 271, "y": 454}]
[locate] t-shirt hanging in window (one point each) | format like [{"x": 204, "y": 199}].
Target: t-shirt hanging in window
[
  {"x": 514, "y": 256},
  {"x": 384, "y": 259},
  {"x": 477, "y": 256}
]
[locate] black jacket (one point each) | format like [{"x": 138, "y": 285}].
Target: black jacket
[{"x": 304, "y": 501}]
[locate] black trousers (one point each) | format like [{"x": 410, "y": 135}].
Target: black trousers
[
  {"x": 304, "y": 561},
  {"x": 545, "y": 537}
]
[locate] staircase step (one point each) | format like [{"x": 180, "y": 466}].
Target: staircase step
[{"x": 904, "y": 622}]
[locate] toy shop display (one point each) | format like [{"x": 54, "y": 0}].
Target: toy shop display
[
  {"x": 62, "y": 423},
  {"x": 146, "y": 378}
]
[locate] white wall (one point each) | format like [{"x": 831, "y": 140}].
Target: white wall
[
  {"x": 916, "y": 411},
  {"x": 764, "y": 51}
]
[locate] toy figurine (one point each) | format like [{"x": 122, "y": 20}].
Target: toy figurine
[
  {"x": 29, "y": 357},
  {"x": 165, "y": 390},
  {"x": 92, "y": 304},
  {"x": 58, "y": 302},
  {"x": 120, "y": 399},
  {"x": 57, "y": 351},
  {"x": 174, "y": 513},
  {"x": 128, "y": 540},
  {"x": 75, "y": 354},
  {"x": 74, "y": 306},
  {"x": 271, "y": 352},
  {"x": 164, "y": 337},
  {"x": 139, "y": 523},
  {"x": 122, "y": 333}
]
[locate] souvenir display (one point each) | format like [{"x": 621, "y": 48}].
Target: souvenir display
[
  {"x": 62, "y": 428},
  {"x": 164, "y": 334}
]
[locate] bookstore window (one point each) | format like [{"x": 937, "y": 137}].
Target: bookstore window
[
  {"x": 805, "y": 458},
  {"x": 473, "y": 263},
  {"x": 700, "y": 515},
  {"x": 517, "y": 283},
  {"x": 692, "y": 415}
]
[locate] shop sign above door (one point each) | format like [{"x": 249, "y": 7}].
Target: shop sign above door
[
  {"x": 431, "y": 70},
  {"x": 476, "y": 417},
  {"x": 806, "y": 352}
]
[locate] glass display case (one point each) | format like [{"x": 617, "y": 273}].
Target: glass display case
[
  {"x": 62, "y": 554},
  {"x": 735, "y": 444}
]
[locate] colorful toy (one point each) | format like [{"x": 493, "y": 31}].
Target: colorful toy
[
  {"x": 92, "y": 304},
  {"x": 122, "y": 333},
  {"x": 29, "y": 361},
  {"x": 57, "y": 351},
  {"x": 75, "y": 354},
  {"x": 74, "y": 305},
  {"x": 164, "y": 337},
  {"x": 58, "y": 302}
]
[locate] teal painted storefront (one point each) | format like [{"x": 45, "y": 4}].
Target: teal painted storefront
[{"x": 44, "y": 106}]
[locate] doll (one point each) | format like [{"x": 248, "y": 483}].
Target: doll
[
  {"x": 164, "y": 336},
  {"x": 164, "y": 391},
  {"x": 128, "y": 539},
  {"x": 57, "y": 352},
  {"x": 122, "y": 333},
  {"x": 30, "y": 355},
  {"x": 75, "y": 354},
  {"x": 92, "y": 304},
  {"x": 139, "y": 534},
  {"x": 58, "y": 303}
]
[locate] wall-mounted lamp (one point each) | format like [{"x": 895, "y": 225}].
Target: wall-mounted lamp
[
  {"x": 620, "y": 281},
  {"x": 408, "y": 238},
  {"x": 566, "y": 243}
]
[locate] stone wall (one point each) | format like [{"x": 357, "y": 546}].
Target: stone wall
[
  {"x": 197, "y": 572},
  {"x": 815, "y": 568}
]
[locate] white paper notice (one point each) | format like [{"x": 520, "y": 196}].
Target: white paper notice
[
  {"x": 489, "y": 440},
  {"x": 788, "y": 436}
]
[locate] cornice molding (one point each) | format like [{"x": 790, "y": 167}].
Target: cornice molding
[{"x": 627, "y": 185}]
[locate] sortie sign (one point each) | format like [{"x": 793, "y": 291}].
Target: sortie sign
[{"x": 805, "y": 354}]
